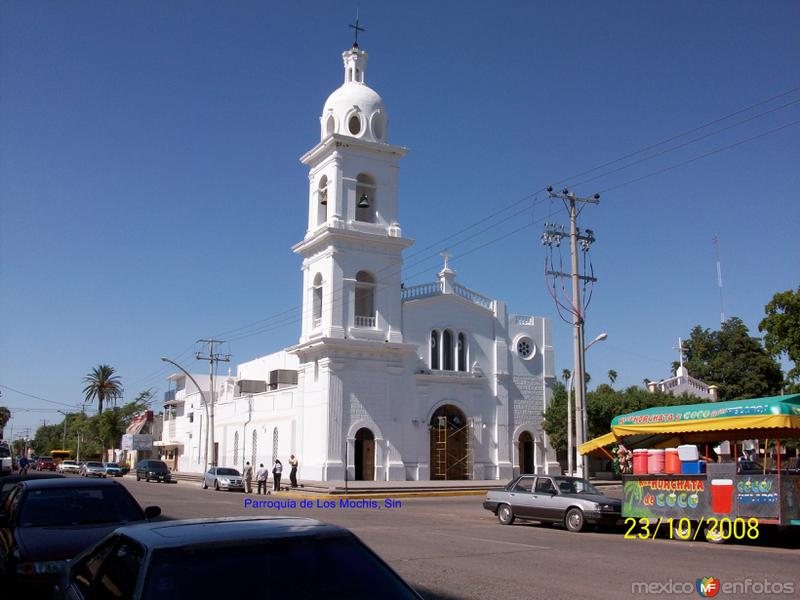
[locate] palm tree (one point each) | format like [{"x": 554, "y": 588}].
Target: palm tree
[
  {"x": 612, "y": 376},
  {"x": 103, "y": 385},
  {"x": 565, "y": 375}
]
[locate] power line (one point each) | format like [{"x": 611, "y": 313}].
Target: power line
[
  {"x": 244, "y": 328},
  {"x": 277, "y": 325},
  {"x": 701, "y": 156},
  {"x": 7, "y": 387}
]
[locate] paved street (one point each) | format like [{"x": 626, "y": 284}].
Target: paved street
[{"x": 450, "y": 548}]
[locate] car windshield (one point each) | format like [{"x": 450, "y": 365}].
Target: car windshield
[
  {"x": 112, "y": 465},
  {"x": 569, "y": 485},
  {"x": 94, "y": 464},
  {"x": 78, "y": 506},
  {"x": 68, "y": 462},
  {"x": 227, "y": 472},
  {"x": 339, "y": 567},
  {"x": 45, "y": 459},
  {"x": 156, "y": 464},
  {"x": 4, "y": 452}
]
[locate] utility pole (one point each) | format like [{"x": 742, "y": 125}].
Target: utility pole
[
  {"x": 719, "y": 281},
  {"x": 64, "y": 440},
  {"x": 213, "y": 359},
  {"x": 554, "y": 234}
]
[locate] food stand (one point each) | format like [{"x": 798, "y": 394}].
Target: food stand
[{"x": 694, "y": 500}]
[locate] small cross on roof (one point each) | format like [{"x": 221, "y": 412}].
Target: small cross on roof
[{"x": 357, "y": 29}]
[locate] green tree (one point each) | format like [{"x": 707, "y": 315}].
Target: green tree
[
  {"x": 732, "y": 360},
  {"x": 782, "y": 327},
  {"x": 605, "y": 403},
  {"x": 612, "y": 376},
  {"x": 555, "y": 418},
  {"x": 102, "y": 385}
]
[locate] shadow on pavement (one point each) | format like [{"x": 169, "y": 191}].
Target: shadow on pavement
[{"x": 431, "y": 595}]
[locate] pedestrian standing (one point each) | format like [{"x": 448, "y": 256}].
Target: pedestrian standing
[
  {"x": 248, "y": 478},
  {"x": 261, "y": 477},
  {"x": 277, "y": 469},
  {"x": 293, "y": 472}
]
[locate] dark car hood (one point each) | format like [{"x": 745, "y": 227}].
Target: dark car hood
[
  {"x": 595, "y": 498},
  {"x": 59, "y": 543}
]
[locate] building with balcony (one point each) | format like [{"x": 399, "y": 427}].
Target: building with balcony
[{"x": 386, "y": 382}]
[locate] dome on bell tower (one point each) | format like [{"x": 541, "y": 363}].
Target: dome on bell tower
[{"x": 355, "y": 109}]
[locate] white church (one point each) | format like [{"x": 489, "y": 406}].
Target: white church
[{"x": 387, "y": 383}]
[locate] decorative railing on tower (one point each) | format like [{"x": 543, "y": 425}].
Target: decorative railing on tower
[{"x": 365, "y": 321}]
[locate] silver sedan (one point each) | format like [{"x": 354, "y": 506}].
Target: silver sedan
[
  {"x": 93, "y": 469},
  {"x": 223, "y": 478},
  {"x": 571, "y": 501}
]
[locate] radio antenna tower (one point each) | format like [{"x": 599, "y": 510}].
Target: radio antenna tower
[{"x": 719, "y": 281}]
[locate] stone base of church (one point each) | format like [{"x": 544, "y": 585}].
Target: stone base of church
[{"x": 553, "y": 467}]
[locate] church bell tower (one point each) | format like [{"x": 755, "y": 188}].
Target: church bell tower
[{"x": 352, "y": 250}]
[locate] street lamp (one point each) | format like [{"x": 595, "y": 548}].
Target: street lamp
[
  {"x": 205, "y": 404},
  {"x": 582, "y": 410}
]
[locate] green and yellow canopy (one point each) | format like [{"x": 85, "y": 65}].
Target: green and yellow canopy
[{"x": 666, "y": 426}]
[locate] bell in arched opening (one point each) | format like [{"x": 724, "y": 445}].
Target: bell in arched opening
[{"x": 363, "y": 202}]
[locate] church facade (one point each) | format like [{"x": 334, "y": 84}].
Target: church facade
[{"x": 387, "y": 382}]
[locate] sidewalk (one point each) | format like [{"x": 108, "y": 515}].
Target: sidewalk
[{"x": 393, "y": 488}]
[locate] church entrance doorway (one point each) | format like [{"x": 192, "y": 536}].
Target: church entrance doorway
[
  {"x": 449, "y": 448},
  {"x": 525, "y": 453},
  {"x": 365, "y": 455}
]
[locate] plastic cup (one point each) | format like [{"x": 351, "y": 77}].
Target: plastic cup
[{"x": 722, "y": 496}]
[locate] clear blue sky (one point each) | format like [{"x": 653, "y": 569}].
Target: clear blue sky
[{"x": 151, "y": 188}]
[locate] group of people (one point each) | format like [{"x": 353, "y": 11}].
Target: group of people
[{"x": 262, "y": 476}]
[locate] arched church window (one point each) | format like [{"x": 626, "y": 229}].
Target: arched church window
[
  {"x": 274, "y": 444},
  {"x": 254, "y": 449},
  {"x": 235, "y": 448},
  {"x": 330, "y": 125},
  {"x": 461, "y": 352},
  {"x": 365, "y": 300},
  {"x": 354, "y": 124},
  {"x": 322, "y": 197},
  {"x": 365, "y": 199},
  {"x": 434, "y": 350},
  {"x": 447, "y": 350},
  {"x": 316, "y": 301}
]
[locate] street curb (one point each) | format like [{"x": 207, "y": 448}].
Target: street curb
[{"x": 363, "y": 496}]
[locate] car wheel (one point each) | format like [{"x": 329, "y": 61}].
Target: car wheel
[
  {"x": 573, "y": 521},
  {"x": 204, "y": 485},
  {"x": 216, "y": 485},
  {"x": 505, "y": 515},
  {"x": 713, "y": 535},
  {"x": 147, "y": 478},
  {"x": 684, "y": 530},
  {"x": 137, "y": 477}
]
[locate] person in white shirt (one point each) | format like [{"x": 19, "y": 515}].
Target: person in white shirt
[
  {"x": 277, "y": 468},
  {"x": 261, "y": 476}
]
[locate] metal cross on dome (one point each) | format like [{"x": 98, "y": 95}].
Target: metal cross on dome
[{"x": 357, "y": 29}]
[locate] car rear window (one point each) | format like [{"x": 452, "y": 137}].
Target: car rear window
[
  {"x": 227, "y": 472},
  {"x": 339, "y": 567},
  {"x": 78, "y": 506},
  {"x": 155, "y": 464},
  {"x": 94, "y": 464}
]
